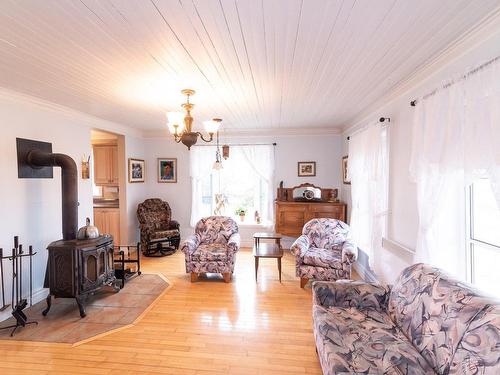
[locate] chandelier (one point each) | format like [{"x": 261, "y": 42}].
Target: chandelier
[{"x": 180, "y": 124}]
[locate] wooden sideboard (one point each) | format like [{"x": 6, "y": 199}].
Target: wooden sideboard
[{"x": 291, "y": 216}]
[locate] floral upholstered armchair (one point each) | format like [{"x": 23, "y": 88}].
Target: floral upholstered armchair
[
  {"x": 324, "y": 251},
  {"x": 213, "y": 247},
  {"x": 159, "y": 233}
]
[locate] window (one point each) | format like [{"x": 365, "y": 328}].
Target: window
[
  {"x": 483, "y": 238},
  {"x": 245, "y": 181}
]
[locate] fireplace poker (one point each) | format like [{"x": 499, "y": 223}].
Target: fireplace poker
[
  {"x": 13, "y": 278},
  {"x": 20, "y": 273},
  {"x": 16, "y": 270},
  {"x": 4, "y": 306},
  {"x": 31, "y": 275}
]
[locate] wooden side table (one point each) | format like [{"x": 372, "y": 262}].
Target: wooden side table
[
  {"x": 267, "y": 236},
  {"x": 267, "y": 250}
]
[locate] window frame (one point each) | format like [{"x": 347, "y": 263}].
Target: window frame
[{"x": 470, "y": 241}]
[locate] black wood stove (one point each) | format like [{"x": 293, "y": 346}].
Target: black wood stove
[{"x": 76, "y": 268}]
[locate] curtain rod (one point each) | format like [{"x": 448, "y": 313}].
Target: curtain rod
[
  {"x": 414, "y": 102},
  {"x": 241, "y": 144},
  {"x": 382, "y": 119}
]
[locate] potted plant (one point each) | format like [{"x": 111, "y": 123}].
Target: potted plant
[{"x": 241, "y": 212}]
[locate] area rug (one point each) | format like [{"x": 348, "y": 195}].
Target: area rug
[{"x": 106, "y": 311}]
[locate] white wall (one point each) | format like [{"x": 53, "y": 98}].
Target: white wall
[
  {"x": 403, "y": 218},
  {"x": 31, "y": 208},
  {"x": 324, "y": 149},
  {"x": 134, "y": 148}
]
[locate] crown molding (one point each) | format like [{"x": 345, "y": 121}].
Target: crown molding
[
  {"x": 89, "y": 120},
  {"x": 475, "y": 36},
  {"x": 263, "y": 132}
]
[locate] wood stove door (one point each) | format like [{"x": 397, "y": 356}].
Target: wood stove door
[
  {"x": 94, "y": 268},
  {"x": 110, "y": 262}
]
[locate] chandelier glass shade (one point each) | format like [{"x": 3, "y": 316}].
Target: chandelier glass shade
[{"x": 180, "y": 124}]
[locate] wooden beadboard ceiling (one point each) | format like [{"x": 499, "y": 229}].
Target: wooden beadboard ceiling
[{"x": 256, "y": 63}]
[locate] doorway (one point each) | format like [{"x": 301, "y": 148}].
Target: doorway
[{"x": 109, "y": 184}]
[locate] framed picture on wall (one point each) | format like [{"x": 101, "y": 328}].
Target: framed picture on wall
[
  {"x": 346, "y": 179},
  {"x": 306, "y": 168},
  {"x": 136, "y": 170},
  {"x": 167, "y": 170}
]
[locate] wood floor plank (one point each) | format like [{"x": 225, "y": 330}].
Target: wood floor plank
[{"x": 203, "y": 328}]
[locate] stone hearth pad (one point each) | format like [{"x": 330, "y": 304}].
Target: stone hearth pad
[{"x": 106, "y": 311}]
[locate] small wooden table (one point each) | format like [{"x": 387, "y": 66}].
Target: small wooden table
[{"x": 267, "y": 250}]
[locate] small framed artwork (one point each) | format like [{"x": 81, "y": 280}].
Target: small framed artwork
[
  {"x": 346, "y": 179},
  {"x": 306, "y": 168},
  {"x": 136, "y": 170},
  {"x": 167, "y": 170}
]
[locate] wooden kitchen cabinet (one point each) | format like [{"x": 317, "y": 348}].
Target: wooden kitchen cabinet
[
  {"x": 291, "y": 216},
  {"x": 105, "y": 164},
  {"x": 107, "y": 220}
]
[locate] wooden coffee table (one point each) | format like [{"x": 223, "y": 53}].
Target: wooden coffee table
[{"x": 267, "y": 250}]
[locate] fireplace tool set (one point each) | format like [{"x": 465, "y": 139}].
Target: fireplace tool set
[{"x": 18, "y": 303}]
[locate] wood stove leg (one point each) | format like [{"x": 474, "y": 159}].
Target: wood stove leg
[
  {"x": 303, "y": 282},
  {"x": 49, "y": 303},
  {"x": 194, "y": 277},
  {"x": 81, "y": 306},
  {"x": 227, "y": 276}
]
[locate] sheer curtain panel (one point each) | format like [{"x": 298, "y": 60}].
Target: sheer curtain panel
[
  {"x": 368, "y": 168},
  {"x": 456, "y": 133}
]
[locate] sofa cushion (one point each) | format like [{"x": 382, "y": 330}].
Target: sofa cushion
[
  {"x": 210, "y": 252},
  {"x": 326, "y": 258},
  {"x": 350, "y": 341},
  {"x": 434, "y": 311},
  {"x": 479, "y": 349}
]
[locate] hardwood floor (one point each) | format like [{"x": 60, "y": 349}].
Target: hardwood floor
[{"x": 206, "y": 327}]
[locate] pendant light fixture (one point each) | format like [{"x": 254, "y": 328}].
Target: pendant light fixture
[{"x": 218, "y": 160}]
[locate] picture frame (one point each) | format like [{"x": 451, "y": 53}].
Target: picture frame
[
  {"x": 167, "y": 170},
  {"x": 306, "y": 168},
  {"x": 136, "y": 170},
  {"x": 346, "y": 179}
]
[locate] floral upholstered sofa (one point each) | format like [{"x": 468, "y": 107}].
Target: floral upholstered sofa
[
  {"x": 427, "y": 323},
  {"x": 324, "y": 251},
  {"x": 213, "y": 247}
]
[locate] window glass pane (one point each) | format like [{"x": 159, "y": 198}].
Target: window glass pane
[
  {"x": 485, "y": 275},
  {"x": 485, "y": 214}
]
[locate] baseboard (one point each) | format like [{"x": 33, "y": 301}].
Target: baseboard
[
  {"x": 38, "y": 295},
  {"x": 365, "y": 273}
]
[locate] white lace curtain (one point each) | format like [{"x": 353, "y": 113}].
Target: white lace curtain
[
  {"x": 245, "y": 164},
  {"x": 456, "y": 138},
  {"x": 368, "y": 169}
]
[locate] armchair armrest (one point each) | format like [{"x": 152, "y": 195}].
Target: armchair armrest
[
  {"x": 174, "y": 224},
  {"x": 190, "y": 244},
  {"x": 348, "y": 293},
  {"x": 300, "y": 246},
  {"x": 349, "y": 252},
  {"x": 233, "y": 242}
]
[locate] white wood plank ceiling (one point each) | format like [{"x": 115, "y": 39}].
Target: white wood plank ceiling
[{"x": 272, "y": 64}]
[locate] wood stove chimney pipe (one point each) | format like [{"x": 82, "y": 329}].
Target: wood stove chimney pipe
[{"x": 69, "y": 183}]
